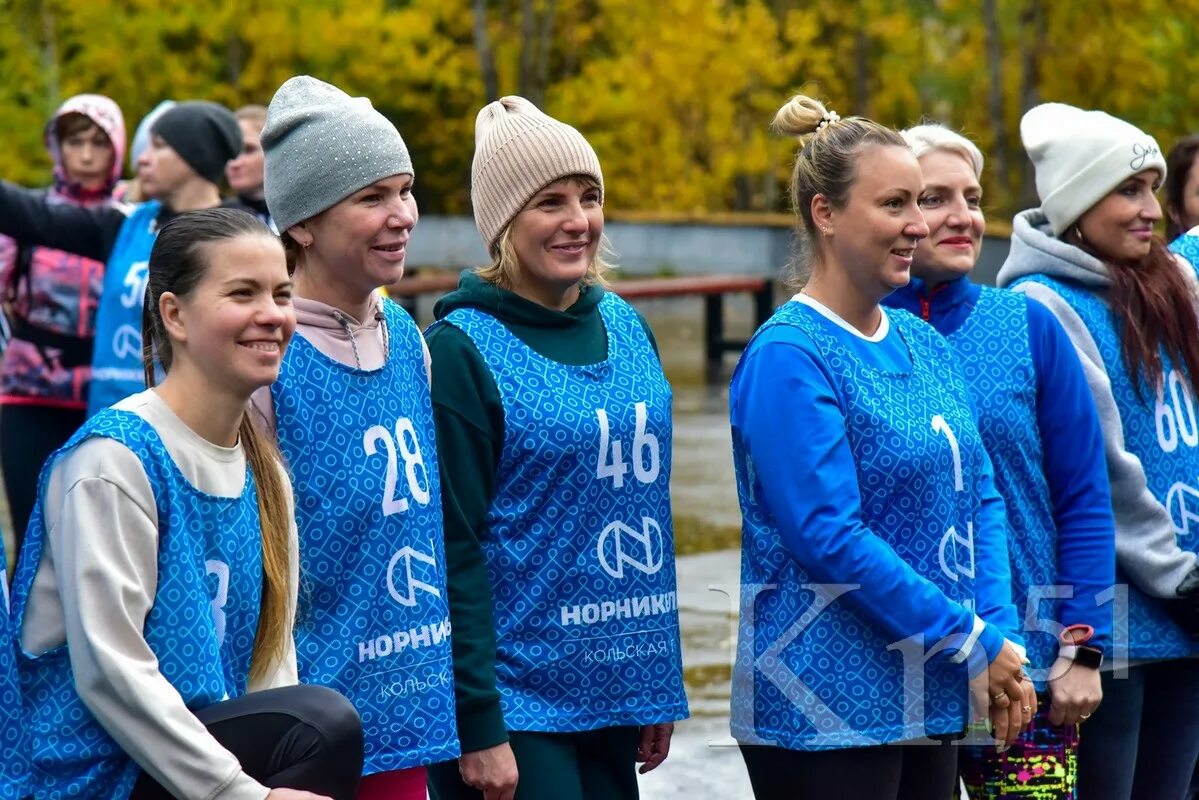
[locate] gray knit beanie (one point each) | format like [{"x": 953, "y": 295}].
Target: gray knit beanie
[
  {"x": 518, "y": 151},
  {"x": 321, "y": 146}
]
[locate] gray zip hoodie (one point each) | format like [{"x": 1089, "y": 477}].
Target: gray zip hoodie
[{"x": 1146, "y": 546}]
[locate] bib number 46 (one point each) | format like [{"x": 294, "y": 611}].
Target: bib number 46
[{"x": 646, "y": 457}]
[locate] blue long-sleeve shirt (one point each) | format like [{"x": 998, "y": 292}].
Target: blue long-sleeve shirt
[
  {"x": 1072, "y": 443},
  {"x": 870, "y": 522}
]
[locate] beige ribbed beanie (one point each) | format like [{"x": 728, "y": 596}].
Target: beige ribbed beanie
[{"x": 518, "y": 151}]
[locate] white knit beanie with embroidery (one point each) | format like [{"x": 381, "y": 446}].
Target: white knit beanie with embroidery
[{"x": 1080, "y": 156}]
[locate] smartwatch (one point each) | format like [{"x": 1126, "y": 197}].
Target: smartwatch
[{"x": 1089, "y": 657}]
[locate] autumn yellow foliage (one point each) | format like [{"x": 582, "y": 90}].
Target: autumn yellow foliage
[{"x": 675, "y": 95}]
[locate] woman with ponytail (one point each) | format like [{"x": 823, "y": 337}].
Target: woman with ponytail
[
  {"x": 158, "y": 581},
  {"x": 1089, "y": 254},
  {"x": 874, "y": 570}
]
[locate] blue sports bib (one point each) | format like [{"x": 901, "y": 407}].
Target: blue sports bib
[
  {"x": 1161, "y": 428},
  {"x": 373, "y": 618},
  {"x": 117, "y": 370},
  {"x": 812, "y": 673},
  {"x": 1004, "y": 391},
  {"x": 579, "y": 541},
  {"x": 201, "y": 627},
  {"x": 14, "y": 744}
]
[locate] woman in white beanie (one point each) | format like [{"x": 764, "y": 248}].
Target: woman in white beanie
[
  {"x": 1040, "y": 427},
  {"x": 1089, "y": 254},
  {"x": 352, "y": 415},
  {"x": 875, "y": 579},
  {"x": 554, "y": 427}
]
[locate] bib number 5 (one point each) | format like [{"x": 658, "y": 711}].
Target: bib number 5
[
  {"x": 408, "y": 447},
  {"x": 646, "y": 458}
]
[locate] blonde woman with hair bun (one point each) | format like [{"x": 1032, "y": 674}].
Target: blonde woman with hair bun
[{"x": 875, "y": 579}]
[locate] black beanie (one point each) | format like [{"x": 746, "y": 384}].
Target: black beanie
[{"x": 205, "y": 135}]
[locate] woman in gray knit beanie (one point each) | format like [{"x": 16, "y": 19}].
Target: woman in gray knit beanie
[
  {"x": 353, "y": 418},
  {"x": 553, "y": 422}
]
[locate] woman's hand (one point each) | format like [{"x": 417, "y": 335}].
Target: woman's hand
[
  {"x": 654, "y": 745},
  {"x": 1075, "y": 690},
  {"x": 1013, "y": 701},
  {"x": 491, "y": 771}
]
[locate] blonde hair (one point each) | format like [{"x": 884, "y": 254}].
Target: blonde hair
[
  {"x": 826, "y": 164},
  {"x": 933, "y": 138},
  {"x": 504, "y": 269},
  {"x": 252, "y": 113}
]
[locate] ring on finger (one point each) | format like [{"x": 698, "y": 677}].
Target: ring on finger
[
  {"x": 1026, "y": 709},
  {"x": 995, "y": 698}
]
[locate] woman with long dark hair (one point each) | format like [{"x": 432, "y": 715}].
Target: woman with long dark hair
[{"x": 1090, "y": 255}]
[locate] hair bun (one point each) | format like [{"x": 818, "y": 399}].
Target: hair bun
[{"x": 801, "y": 116}]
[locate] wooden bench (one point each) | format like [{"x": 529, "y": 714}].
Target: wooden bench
[{"x": 712, "y": 288}]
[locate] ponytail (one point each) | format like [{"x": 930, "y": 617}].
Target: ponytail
[{"x": 177, "y": 263}]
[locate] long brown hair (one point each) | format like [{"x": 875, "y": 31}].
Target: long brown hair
[
  {"x": 177, "y": 263},
  {"x": 1155, "y": 305}
]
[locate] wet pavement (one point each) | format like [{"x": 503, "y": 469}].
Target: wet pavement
[{"x": 704, "y": 761}]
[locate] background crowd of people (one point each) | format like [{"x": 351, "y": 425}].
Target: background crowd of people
[{"x": 274, "y": 541}]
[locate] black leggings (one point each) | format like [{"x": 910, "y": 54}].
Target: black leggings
[
  {"x": 28, "y": 435},
  {"x": 297, "y": 737},
  {"x": 888, "y": 772}
]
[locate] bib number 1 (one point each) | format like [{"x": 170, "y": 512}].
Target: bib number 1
[{"x": 956, "y": 570}]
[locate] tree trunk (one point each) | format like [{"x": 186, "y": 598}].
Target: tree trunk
[
  {"x": 50, "y": 58},
  {"x": 528, "y": 48},
  {"x": 1032, "y": 37},
  {"x": 544, "y": 49},
  {"x": 483, "y": 45},
  {"x": 999, "y": 154},
  {"x": 861, "y": 63}
]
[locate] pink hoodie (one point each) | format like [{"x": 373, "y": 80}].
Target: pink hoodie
[{"x": 62, "y": 290}]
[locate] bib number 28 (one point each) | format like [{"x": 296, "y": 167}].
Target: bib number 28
[
  {"x": 408, "y": 448},
  {"x": 646, "y": 458}
]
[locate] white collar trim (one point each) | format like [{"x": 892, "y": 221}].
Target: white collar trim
[{"x": 884, "y": 327}]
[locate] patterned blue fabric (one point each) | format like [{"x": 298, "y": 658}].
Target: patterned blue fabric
[
  {"x": 201, "y": 627},
  {"x": 813, "y": 672},
  {"x": 1004, "y": 392},
  {"x": 373, "y": 619},
  {"x": 14, "y": 766},
  {"x": 1161, "y": 428},
  {"x": 579, "y": 541},
  {"x": 117, "y": 360},
  {"x": 1187, "y": 246}
]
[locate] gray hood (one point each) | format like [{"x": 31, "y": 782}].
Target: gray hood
[{"x": 1036, "y": 251}]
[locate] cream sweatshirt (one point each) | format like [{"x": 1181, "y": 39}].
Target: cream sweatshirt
[{"x": 97, "y": 581}]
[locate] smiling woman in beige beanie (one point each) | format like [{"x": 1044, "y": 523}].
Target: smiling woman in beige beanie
[{"x": 554, "y": 429}]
